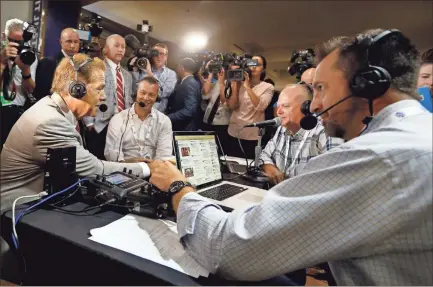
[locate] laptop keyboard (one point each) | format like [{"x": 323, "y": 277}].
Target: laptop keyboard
[{"x": 222, "y": 192}]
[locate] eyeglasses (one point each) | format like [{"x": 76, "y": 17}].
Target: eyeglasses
[{"x": 162, "y": 54}]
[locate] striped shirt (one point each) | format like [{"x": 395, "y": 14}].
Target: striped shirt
[{"x": 290, "y": 153}]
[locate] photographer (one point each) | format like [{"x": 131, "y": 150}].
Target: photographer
[
  {"x": 248, "y": 101},
  {"x": 217, "y": 113},
  {"x": 157, "y": 69},
  {"x": 17, "y": 77}
]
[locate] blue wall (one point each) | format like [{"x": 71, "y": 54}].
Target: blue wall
[{"x": 58, "y": 16}]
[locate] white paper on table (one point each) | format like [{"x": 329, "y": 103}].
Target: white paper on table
[{"x": 152, "y": 239}]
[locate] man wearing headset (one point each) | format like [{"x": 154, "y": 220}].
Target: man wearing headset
[
  {"x": 140, "y": 131},
  {"x": 51, "y": 123},
  {"x": 365, "y": 207},
  {"x": 292, "y": 147}
]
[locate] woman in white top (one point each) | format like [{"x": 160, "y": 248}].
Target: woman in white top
[{"x": 217, "y": 114}]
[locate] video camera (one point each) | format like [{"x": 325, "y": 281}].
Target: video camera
[
  {"x": 94, "y": 27},
  {"x": 223, "y": 61},
  {"x": 300, "y": 62},
  {"x": 26, "y": 52},
  {"x": 144, "y": 54},
  {"x": 245, "y": 62}
]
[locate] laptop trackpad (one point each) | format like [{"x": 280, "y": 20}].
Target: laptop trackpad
[{"x": 250, "y": 198}]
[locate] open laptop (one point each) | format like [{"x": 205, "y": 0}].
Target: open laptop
[{"x": 197, "y": 158}]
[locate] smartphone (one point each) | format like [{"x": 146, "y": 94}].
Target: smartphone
[{"x": 426, "y": 98}]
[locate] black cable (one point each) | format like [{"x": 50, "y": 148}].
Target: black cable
[
  {"x": 67, "y": 197},
  {"x": 88, "y": 208},
  {"x": 121, "y": 138}
]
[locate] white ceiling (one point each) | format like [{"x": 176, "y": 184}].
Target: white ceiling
[{"x": 275, "y": 27}]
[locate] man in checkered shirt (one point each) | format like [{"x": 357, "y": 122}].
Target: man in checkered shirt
[
  {"x": 292, "y": 147},
  {"x": 365, "y": 207}
]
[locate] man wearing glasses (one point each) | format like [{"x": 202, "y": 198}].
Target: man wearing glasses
[{"x": 157, "y": 69}]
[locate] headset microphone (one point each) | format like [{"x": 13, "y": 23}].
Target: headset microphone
[
  {"x": 141, "y": 104},
  {"x": 309, "y": 122},
  {"x": 103, "y": 108}
]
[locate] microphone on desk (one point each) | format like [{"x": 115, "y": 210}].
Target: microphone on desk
[{"x": 274, "y": 122}]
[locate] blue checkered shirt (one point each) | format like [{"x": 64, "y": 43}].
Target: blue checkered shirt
[
  {"x": 365, "y": 207},
  {"x": 282, "y": 149}
]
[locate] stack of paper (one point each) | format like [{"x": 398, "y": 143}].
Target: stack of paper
[{"x": 152, "y": 239}]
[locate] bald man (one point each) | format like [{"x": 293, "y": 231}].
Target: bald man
[
  {"x": 308, "y": 75},
  {"x": 292, "y": 147},
  {"x": 69, "y": 46},
  {"x": 118, "y": 94}
]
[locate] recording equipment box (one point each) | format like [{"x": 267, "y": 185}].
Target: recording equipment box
[{"x": 133, "y": 193}]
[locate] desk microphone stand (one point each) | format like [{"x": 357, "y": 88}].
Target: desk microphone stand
[{"x": 254, "y": 174}]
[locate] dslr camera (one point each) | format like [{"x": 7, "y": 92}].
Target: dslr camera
[
  {"x": 245, "y": 62},
  {"x": 300, "y": 62},
  {"x": 26, "y": 52}
]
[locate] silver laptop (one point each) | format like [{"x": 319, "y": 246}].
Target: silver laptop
[{"x": 197, "y": 158}]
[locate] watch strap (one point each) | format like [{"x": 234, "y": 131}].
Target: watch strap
[{"x": 177, "y": 186}]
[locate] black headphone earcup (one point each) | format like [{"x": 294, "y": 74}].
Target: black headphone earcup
[
  {"x": 370, "y": 83},
  {"x": 305, "y": 107},
  {"x": 77, "y": 90}
]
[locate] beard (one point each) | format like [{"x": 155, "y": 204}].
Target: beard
[{"x": 333, "y": 129}]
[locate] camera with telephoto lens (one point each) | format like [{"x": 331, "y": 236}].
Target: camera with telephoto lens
[
  {"x": 144, "y": 54},
  {"x": 245, "y": 62},
  {"x": 26, "y": 52},
  {"x": 300, "y": 62}
]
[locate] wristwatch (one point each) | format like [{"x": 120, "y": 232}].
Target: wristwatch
[
  {"x": 177, "y": 186},
  {"x": 26, "y": 77}
]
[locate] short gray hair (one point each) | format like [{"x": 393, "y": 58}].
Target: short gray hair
[{"x": 13, "y": 24}]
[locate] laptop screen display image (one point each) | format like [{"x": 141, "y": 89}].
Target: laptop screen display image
[{"x": 197, "y": 158}]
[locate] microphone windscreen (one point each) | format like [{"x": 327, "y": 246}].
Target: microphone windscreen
[
  {"x": 141, "y": 104},
  {"x": 308, "y": 122},
  {"x": 277, "y": 121},
  {"x": 132, "y": 42},
  {"x": 103, "y": 108}
]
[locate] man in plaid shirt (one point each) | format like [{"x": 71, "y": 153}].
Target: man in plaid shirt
[{"x": 292, "y": 147}]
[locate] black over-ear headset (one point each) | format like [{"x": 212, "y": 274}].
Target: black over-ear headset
[
  {"x": 369, "y": 82},
  {"x": 77, "y": 89}
]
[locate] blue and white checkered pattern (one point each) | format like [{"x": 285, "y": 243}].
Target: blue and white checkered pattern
[
  {"x": 365, "y": 207},
  {"x": 315, "y": 144}
]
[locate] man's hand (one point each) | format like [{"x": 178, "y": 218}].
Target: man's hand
[
  {"x": 23, "y": 67},
  {"x": 149, "y": 68},
  {"x": 273, "y": 173},
  {"x": 163, "y": 174},
  {"x": 11, "y": 50}
]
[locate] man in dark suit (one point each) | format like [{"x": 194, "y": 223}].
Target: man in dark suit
[
  {"x": 185, "y": 101},
  {"x": 70, "y": 43}
]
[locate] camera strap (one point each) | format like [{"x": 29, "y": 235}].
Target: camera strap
[{"x": 214, "y": 110}]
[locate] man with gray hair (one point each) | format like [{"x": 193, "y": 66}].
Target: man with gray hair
[
  {"x": 292, "y": 147},
  {"x": 18, "y": 79},
  {"x": 118, "y": 93}
]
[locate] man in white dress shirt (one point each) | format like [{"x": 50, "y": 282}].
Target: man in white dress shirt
[
  {"x": 140, "y": 131},
  {"x": 365, "y": 207}
]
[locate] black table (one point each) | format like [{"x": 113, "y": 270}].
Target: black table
[{"x": 57, "y": 251}]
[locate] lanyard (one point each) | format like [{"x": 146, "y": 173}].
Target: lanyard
[
  {"x": 135, "y": 134},
  {"x": 297, "y": 151}
]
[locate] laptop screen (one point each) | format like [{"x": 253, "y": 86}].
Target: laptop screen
[{"x": 197, "y": 158}]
